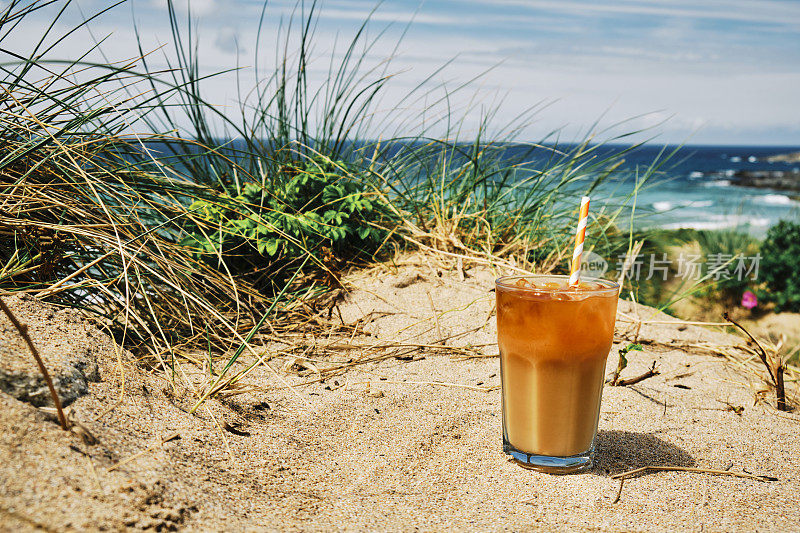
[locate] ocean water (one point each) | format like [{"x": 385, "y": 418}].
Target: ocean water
[{"x": 694, "y": 189}]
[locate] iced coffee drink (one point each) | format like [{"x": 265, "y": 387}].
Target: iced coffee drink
[{"x": 554, "y": 340}]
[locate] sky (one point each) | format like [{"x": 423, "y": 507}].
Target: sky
[{"x": 710, "y": 72}]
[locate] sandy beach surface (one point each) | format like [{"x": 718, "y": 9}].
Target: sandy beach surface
[{"x": 396, "y": 427}]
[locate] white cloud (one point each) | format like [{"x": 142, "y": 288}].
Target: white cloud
[
  {"x": 382, "y": 15},
  {"x": 741, "y": 10},
  {"x": 197, "y": 7},
  {"x": 228, "y": 41}
]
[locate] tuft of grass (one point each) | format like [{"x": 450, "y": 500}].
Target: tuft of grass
[
  {"x": 507, "y": 202},
  {"x": 86, "y": 222}
]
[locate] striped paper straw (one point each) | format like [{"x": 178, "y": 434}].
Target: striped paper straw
[{"x": 580, "y": 235}]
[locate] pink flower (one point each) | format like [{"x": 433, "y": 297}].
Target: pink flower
[{"x": 749, "y": 300}]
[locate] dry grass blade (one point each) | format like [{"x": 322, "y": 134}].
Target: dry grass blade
[
  {"x": 655, "y": 468},
  {"x": 247, "y": 339},
  {"x": 619, "y": 491},
  {"x": 135, "y": 456},
  {"x": 775, "y": 368},
  {"x": 435, "y": 383}
]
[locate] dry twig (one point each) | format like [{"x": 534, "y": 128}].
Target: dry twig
[
  {"x": 632, "y": 381},
  {"x": 23, "y": 331}
]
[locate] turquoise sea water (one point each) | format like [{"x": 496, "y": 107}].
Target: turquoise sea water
[{"x": 696, "y": 189}]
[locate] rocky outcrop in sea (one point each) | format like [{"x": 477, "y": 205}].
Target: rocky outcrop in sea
[{"x": 781, "y": 180}]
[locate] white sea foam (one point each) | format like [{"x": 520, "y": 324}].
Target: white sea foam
[
  {"x": 695, "y": 175},
  {"x": 719, "y": 222},
  {"x": 774, "y": 199},
  {"x": 736, "y": 159},
  {"x": 664, "y": 205},
  {"x": 697, "y": 203},
  {"x": 717, "y": 183}
]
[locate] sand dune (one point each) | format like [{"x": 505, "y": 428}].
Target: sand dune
[{"x": 399, "y": 444}]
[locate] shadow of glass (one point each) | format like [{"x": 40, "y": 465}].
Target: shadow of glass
[{"x": 620, "y": 451}]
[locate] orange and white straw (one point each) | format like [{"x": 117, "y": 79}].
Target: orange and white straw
[{"x": 580, "y": 235}]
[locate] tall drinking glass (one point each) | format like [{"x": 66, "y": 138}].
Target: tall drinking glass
[{"x": 554, "y": 340}]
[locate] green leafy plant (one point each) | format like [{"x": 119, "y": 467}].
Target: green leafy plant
[
  {"x": 314, "y": 205},
  {"x": 779, "y": 263}
]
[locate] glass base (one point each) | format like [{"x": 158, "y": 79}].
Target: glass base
[{"x": 551, "y": 465}]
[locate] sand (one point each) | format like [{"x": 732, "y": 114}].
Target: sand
[{"x": 401, "y": 444}]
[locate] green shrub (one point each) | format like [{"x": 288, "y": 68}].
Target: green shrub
[
  {"x": 317, "y": 205},
  {"x": 779, "y": 265}
]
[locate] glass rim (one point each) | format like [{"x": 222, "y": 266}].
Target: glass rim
[{"x": 508, "y": 282}]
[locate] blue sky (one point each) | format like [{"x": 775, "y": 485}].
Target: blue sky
[{"x": 718, "y": 72}]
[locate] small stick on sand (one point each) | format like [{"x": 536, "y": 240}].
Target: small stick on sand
[
  {"x": 623, "y": 361},
  {"x": 780, "y": 390},
  {"x": 654, "y": 468},
  {"x": 23, "y": 331},
  {"x": 632, "y": 381},
  {"x": 160, "y": 443}
]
